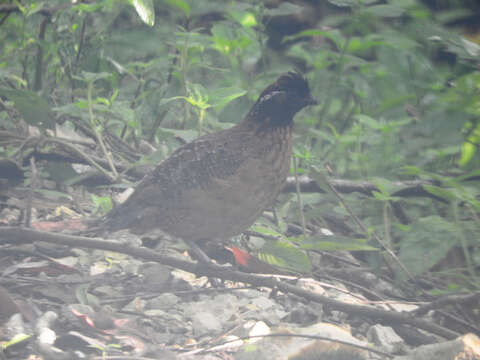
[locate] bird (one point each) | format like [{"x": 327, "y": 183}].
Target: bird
[{"x": 216, "y": 186}]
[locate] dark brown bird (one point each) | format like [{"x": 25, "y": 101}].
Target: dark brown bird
[{"x": 216, "y": 186}]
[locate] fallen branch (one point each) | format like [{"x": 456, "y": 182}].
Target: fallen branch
[
  {"x": 21, "y": 235},
  {"x": 412, "y": 188}
]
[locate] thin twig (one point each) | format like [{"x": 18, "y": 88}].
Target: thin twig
[
  {"x": 299, "y": 197},
  {"x": 87, "y": 158},
  {"x": 314, "y": 337},
  {"x": 365, "y": 230},
  {"x": 97, "y": 133},
  {"x": 31, "y": 190},
  {"x": 18, "y": 235}
]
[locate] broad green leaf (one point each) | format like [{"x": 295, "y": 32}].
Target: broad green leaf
[
  {"x": 266, "y": 231},
  {"x": 244, "y": 17},
  {"x": 181, "y": 5},
  {"x": 395, "y": 101},
  {"x": 471, "y": 48},
  {"x": 345, "y": 3},
  {"x": 89, "y": 8},
  {"x": 321, "y": 179},
  {"x": 222, "y": 96},
  {"x": 411, "y": 170},
  {"x": 248, "y": 20},
  {"x": 452, "y": 16},
  {"x": 60, "y": 171},
  {"x": 15, "y": 340},
  {"x": 34, "y": 8},
  {"x": 335, "y": 243},
  {"x": 34, "y": 109},
  {"x": 387, "y": 11},
  {"x": 145, "y": 10},
  {"x": 73, "y": 109},
  {"x": 92, "y": 77},
  {"x": 283, "y": 254},
  {"x": 52, "y": 194},
  {"x": 79, "y": 178},
  {"x": 357, "y": 44},
  {"x": 426, "y": 243},
  {"x": 369, "y": 121},
  {"x": 380, "y": 196},
  {"x": 336, "y": 36},
  {"x": 285, "y": 8},
  {"x": 447, "y": 194},
  {"x": 385, "y": 186},
  {"x": 102, "y": 202},
  {"x": 475, "y": 173},
  {"x": 468, "y": 151},
  {"x": 405, "y": 4}
]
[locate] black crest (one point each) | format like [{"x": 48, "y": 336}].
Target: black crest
[{"x": 280, "y": 101}]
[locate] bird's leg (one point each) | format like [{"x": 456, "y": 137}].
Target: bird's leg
[
  {"x": 199, "y": 253},
  {"x": 202, "y": 257}
]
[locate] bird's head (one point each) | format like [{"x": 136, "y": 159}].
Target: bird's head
[{"x": 280, "y": 101}]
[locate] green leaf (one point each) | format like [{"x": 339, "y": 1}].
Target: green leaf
[
  {"x": 446, "y": 194},
  {"x": 34, "y": 109},
  {"x": 335, "y": 243},
  {"x": 181, "y": 5},
  {"x": 92, "y": 77},
  {"x": 369, "y": 121},
  {"x": 426, "y": 243},
  {"x": 321, "y": 178},
  {"x": 102, "y": 202},
  {"x": 386, "y": 11},
  {"x": 197, "y": 96},
  {"x": 248, "y": 20},
  {"x": 283, "y": 254},
  {"x": 33, "y": 9},
  {"x": 222, "y": 96},
  {"x": 15, "y": 340},
  {"x": 475, "y": 173},
  {"x": 145, "y": 10},
  {"x": 345, "y": 3},
  {"x": 380, "y": 196},
  {"x": 362, "y": 44},
  {"x": 52, "y": 194},
  {"x": 266, "y": 231},
  {"x": 89, "y": 8},
  {"x": 60, "y": 171},
  {"x": 468, "y": 151},
  {"x": 333, "y": 34},
  {"x": 411, "y": 170},
  {"x": 471, "y": 48},
  {"x": 285, "y": 8},
  {"x": 385, "y": 186},
  {"x": 244, "y": 17}
]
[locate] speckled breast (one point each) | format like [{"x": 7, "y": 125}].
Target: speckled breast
[{"x": 228, "y": 206}]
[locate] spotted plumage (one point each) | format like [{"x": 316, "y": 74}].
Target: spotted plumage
[{"x": 216, "y": 186}]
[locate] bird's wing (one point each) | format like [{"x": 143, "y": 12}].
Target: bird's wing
[{"x": 207, "y": 161}]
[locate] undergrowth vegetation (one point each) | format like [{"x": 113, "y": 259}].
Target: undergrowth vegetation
[{"x": 399, "y": 107}]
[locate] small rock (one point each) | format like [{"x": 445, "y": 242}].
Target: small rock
[
  {"x": 204, "y": 323},
  {"x": 385, "y": 337}
]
